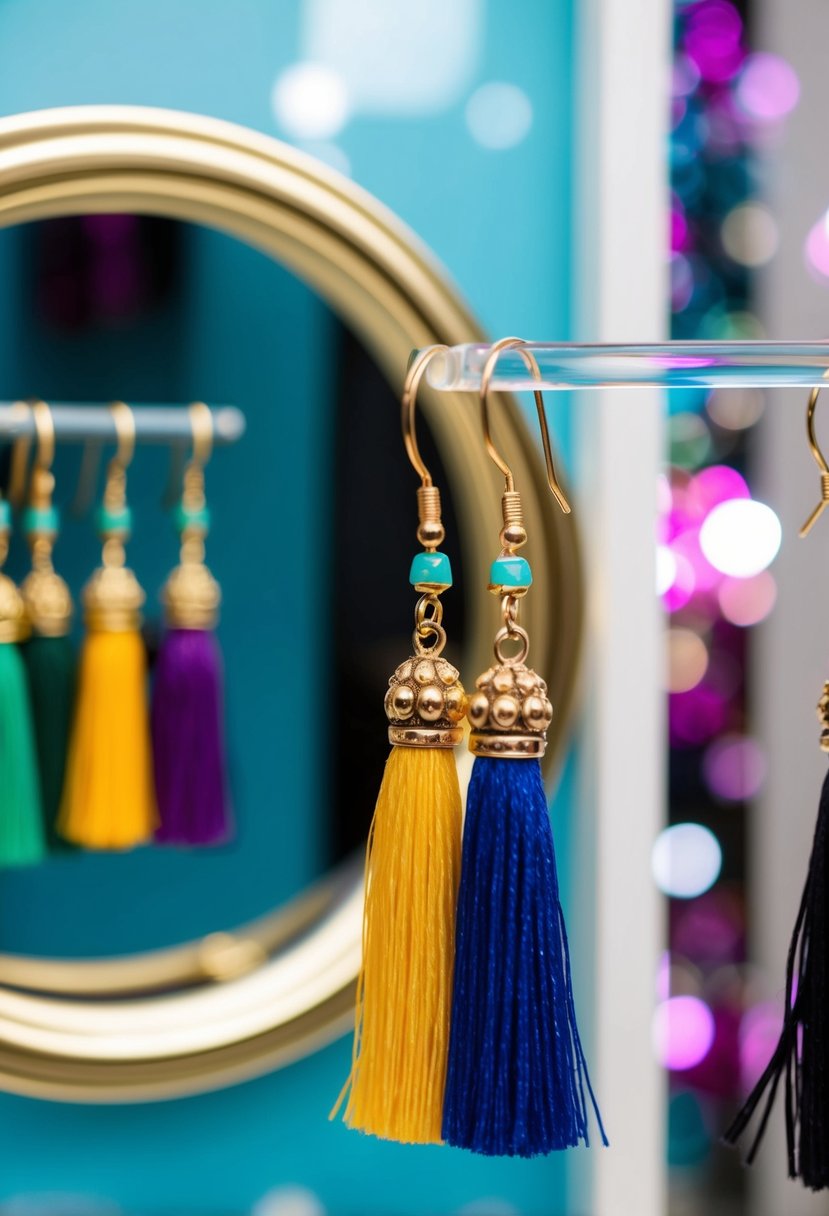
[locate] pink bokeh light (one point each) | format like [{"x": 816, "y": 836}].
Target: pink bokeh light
[
  {"x": 712, "y": 38},
  {"x": 683, "y": 1032},
  {"x": 816, "y": 249},
  {"x": 759, "y": 1032},
  {"x": 768, "y": 88},
  {"x": 696, "y": 716},
  {"x": 747, "y": 601}
]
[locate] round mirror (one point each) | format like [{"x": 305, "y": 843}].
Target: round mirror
[{"x": 154, "y": 1019}]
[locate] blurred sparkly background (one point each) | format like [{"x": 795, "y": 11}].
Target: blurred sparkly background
[{"x": 713, "y": 1029}]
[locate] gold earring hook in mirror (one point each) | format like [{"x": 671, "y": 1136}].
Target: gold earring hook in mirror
[
  {"x": 41, "y": 415},
  {"x": 820, "y": 461},
  {"x": 497, "y": 349}
]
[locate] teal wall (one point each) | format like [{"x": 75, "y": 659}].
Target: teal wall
[{"x": 500, "y": 221}]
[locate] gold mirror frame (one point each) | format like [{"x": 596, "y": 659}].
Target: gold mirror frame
[{"x": 233, "y": 1006}]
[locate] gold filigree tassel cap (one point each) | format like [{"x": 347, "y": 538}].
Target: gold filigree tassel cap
[
  {"x": 191, "y": 595},
  {"x": 14, "y": 622},
  {"x": 113, "y": 597},
  {"x": 46, "y": 595}
]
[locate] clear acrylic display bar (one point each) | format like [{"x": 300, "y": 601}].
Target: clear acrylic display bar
[
  {"x": 156, "y": 424},
  {"x": 569, "y": 365}
]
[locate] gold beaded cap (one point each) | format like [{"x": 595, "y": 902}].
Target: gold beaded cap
[
  {"x": 14, "y": 623},
  {"x": 112, "y": 600},
  {"x": 191, "y": 597},
  {"x": 48, "y": 603},
  {"x": 509, "y": 713},
  {"x": 425, "y": 704}
]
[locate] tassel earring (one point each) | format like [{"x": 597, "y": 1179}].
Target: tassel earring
[
  {"x": 517, "y": 1073},
  {"x": 48, "y": 653},
  {"x": 21, "y": 816},
  {"x": 187, "y": 704},
  {"x": 802, "y": 1051},
  {"x": 413, "y": 860},
  {"x": 108, "y": 798}
]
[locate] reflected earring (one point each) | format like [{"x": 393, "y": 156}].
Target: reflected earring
[
  {"x": 413, "y": 860},
  {"x": 48, "y": 652},
  {"x": 802, "y": 1051},
  {"x": 108, "y": 800},
  {"x": 21, "y": 815},
  {"x": 187, "y": 702},
  {"x": 517, "y": 1073}
]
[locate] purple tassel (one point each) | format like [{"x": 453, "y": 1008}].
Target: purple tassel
[{"x": 188, "y": 740}]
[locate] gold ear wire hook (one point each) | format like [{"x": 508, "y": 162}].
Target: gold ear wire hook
[
  {"x": 408, "y": 402},
  {"x": 42, "y": 482},
  {"x": 19, "y": 460},
  {"x": 201, "y": 426},
  {"x": 124, "y": 421},
  {"x": 486, "y": 377},
  {"x": 820, "y": 460}
]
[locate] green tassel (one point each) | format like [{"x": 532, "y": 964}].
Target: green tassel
[
  {"x": 21, "y": 817},
  {"x": 51, "y": 666}
]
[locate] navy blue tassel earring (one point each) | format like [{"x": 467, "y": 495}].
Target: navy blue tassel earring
[{"x": 517, "y": 1081}]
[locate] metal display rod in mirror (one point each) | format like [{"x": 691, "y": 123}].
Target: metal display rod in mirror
[
  {"x": 237, "y": 1004},
  {"x": 162, "y": 424}
]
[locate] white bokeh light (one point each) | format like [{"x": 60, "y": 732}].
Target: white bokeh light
[
  {"x": 686, "y": 860},
  {"x": 499, "y": 115},
  {"x": 741, "y": 537},
  {"x": 310, "y": 101}
]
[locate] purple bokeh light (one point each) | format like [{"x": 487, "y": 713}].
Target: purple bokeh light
[
  {"x": 768, "y": 88},
  {"x": 683, "y": 1032},
  {"x": 713, "y": 40},
  {"x": 734, "y": 768}
]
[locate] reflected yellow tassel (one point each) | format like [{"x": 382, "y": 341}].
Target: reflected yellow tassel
[
  {"x": 404, "y": 991},
  {"x": 108, "y": 800}
]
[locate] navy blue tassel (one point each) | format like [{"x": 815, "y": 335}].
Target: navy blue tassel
[{"x": 517, "y": 1075}]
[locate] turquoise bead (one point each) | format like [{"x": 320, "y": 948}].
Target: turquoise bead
[
  {"x": 431, "y": 569},
  {"x": 41, "y": 519},
  {"x": 5, "y": 515},
  {"x": 188, "y": 517},
  {"x": 117, "y": 523},
  {"x": 512, "y": 573}
]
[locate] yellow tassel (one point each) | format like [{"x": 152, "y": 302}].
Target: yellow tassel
[
  {"x": 108, "y": 800},
  {"x": 404, "y": 990}
]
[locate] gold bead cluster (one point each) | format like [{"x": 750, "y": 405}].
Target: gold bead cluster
[
  {"x": 425, "y": 703},
  {"x": 510, "y": 712},
  {"x": 823, "y": 717}
]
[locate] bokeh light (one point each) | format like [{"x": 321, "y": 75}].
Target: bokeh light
[
  {"x": 741, "y": 537},
  {"x": 682, "y": 1032},
  {"x": 759, "y": 1032},
  {"x": 734, "y": 768},
  {"x": 749, "y": 234},
  {"x": 687, "y": 659},
  {"x": 713, "y": 40},
  {"x": 713, "y": 485},
  {"x": 686, "y": 860},
  {"x": 690, "y": 440},
  {"x": 310, "y": 101},
  {"x": 499, "y": 115},
  {"x": 747, "y": 601},
  {"x": 696, "y": 716},
  {"x": 816, "y": 249},
  {"x": 735, "y": 409},
  {"x": 768, "y": 88}
]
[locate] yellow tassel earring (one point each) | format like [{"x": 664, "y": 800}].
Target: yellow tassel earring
[
  {"x": 404, "y": 990},
  {"x": 108, "y": 800}
]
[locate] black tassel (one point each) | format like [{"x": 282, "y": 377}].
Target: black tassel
[{"x": 802, "y": 1052}]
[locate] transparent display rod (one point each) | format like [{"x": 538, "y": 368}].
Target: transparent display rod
[{"x": 568, "y": 365}]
